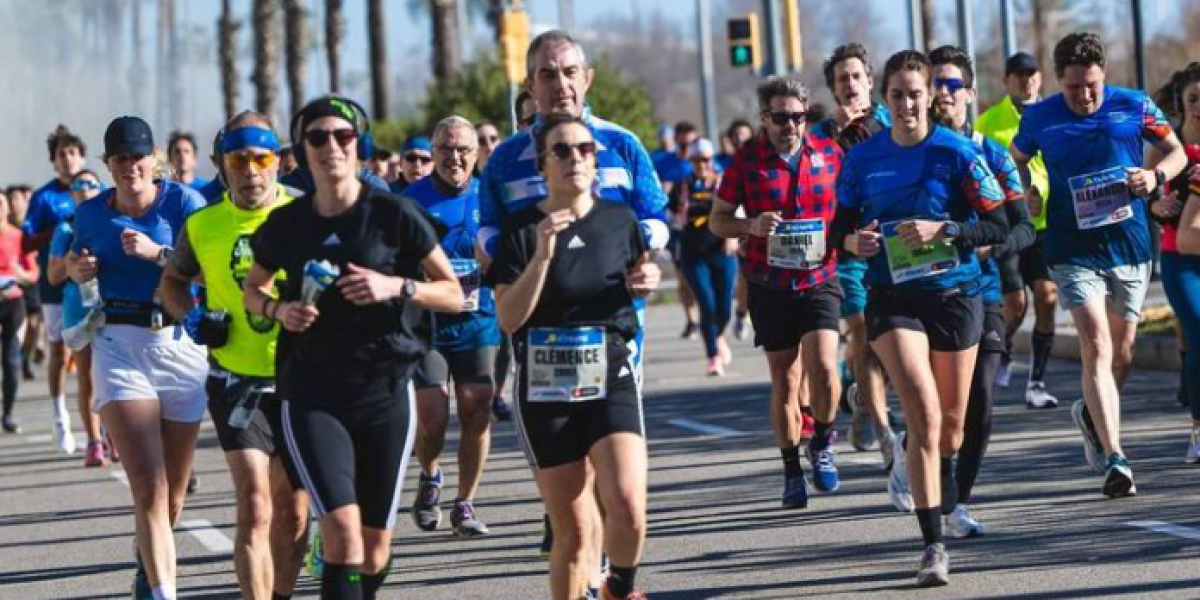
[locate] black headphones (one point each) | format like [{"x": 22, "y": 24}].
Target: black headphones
[{"x": 366, "y": 140}]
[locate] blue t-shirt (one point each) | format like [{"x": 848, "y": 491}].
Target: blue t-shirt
[
  {"x": 1002, "y": 166},
  {"x": 72, "y": 303},
  {"x": 213, "y": 191},
  {"x": 942, "y": 178},
  {"x": 460, "y": 217},
  {"x": 198, "y": 184},
  {"x": 127, "y": 283},
  {"x": 671, "y": 167},
  {"x": 50, "y": 205},
  {"x": 1086, "y": 157}
]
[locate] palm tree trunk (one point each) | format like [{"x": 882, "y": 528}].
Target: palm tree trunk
[
  {"x": 927, "y": 19},
  {"x": 296, "y": 16},
  {"x": 335, "y": 29},
  {"x": 266, "y": 57},
  {"x": 227, "y": 57},
  {"x": 377, "y": 37},
  {"x": 446, "y": 61}
]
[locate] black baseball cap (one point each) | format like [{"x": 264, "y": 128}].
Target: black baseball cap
[
  {"x": 128, "y": 135},
  {"x": 1021, "y": 62}
]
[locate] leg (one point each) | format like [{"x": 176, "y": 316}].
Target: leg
[
  {"x": 11, "y": 319},
  {"x": 906, "y": 358},
  {"x": 699, "y": 276},
  {"x": 179, "y": 448},
  {"x": 91, "y": 424},
  {"x": 289, "y": 528},
  {"x": 688, "y": 300},
  {"x": 1045, "y": 301},
  {"x": 977, "y": 426},
  {"x": 567, "y": 493},
  {"x": 251, "y": 472},
  {"x": 621, "y": 471},
  {"x": 433, "y": 415},
  {"x": 819, "y": 350},
  {"x": 868, "y": 372},
  {"x": 475, "y": 445},
  {"x": 1100, "y": 391},
  {"x": 784, "y": 409}
]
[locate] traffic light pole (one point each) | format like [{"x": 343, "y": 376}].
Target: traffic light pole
[
  {"x": 774, "y": 64},
  {"x": 708, "y": 95}
]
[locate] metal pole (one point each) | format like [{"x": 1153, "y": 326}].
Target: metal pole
[
  {"x": 966, "y": 40},
  {"x": 566, "y": 15},
  {"x": 914, "y": 24},
  {"x": 774, "y": 64},
  {"x": 1009, "y": 28},
  {"x": 513, "y": 91},
  {"x": 708, "y": 95},
  {"x": 1139, "y": 43}
]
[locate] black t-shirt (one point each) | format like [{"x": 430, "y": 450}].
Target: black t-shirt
[
  {"x": 349, "y": 348},
  {"x": 585, "y": 285},
  {"x": 696, "y": 197}
]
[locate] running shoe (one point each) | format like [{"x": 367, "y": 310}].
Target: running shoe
[
  {"x": 500, "y": 409},
  {"x": 898, "y": 491},
  {"x": 425, "y": 511},
  {"x": 825, "y": 473},
  {"x": 724, "y": 352},
  {"x": 1036, "y": 396},
  {"x": 464, "y": 522},
  {"x": 960, "y": 525},
  {"x": 547, "y": 538},
  {"x": 1118, "y": 479},
  {"x": 607, "y": 595},
  {"x": 795, "y": 492},
  {"x": 862, "y": 429},
  {"x": 690, "y": 331},
  {"x": 193, "y": 484},
  {"x": 1193, "y": 451},
  {"x": 1004, "y": 373},
  {"x": 935, "y": 567},
  {"x": 10, "y": 425},
  {"x": 27, "y": 371},
  {"x": 64, "y": 438},
  {"x": 1092, "y": 450},
  {"x": 95, "y": 456},
  {"x": 887, "y": 448},
  {"x": 314, "y": 561},
  {"x": 739, "y": 328},
  {"x": 715, "y": 367},
  {"x": 141, "y": 583}
]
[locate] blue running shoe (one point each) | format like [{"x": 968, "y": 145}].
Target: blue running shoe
[
  {"x": 141, "y": 583},
  {"x": 825, "y": 473},
  {"x": 1118, "y": 480},
  {"x": 795, "y": 492}
]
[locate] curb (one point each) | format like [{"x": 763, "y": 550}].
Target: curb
[{"x": 1149, "y": 352}]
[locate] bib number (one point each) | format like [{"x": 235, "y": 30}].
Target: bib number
[
  {"x": 567, "y": 365},
  {"x": 469, "y": 278},
  {"x": 797, "y": 244},
  {"x": 906, "y": 263},
  {"x": 1100, "y": 198}
]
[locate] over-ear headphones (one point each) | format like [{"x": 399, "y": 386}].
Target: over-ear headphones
[{"x": 362, "y": 123}]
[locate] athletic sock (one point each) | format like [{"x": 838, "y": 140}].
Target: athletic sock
[
  {"x": 1042, "y": 344},
  {"x": 164, "y": 592},
  {"x": 372, "y": 582},
  {"x": 822, "y": 432},
  {"x": 60, "y": 408},
  {"x": 621, "y": 581},
  {"x": 931, "y": 525},
  {"x": 341, "y": 582},
  {"x": 949, "y": 485},
  {"x": 791, "y": 461}
]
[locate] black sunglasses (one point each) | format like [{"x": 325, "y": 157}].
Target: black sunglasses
[
  {"x": 782, "y": 118},
  {"x": 317, "y": 138},
  {"x": 413, "y": 157},
  {"x": 563, "y": 150}
]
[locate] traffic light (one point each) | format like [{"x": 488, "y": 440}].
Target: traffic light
[
  {"x": 514, "y": 44},
  {"x": 744, "y": 49}
]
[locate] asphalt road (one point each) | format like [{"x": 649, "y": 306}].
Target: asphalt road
[{"x": 715, "y": 527}]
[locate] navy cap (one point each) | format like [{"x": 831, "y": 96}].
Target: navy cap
[
  {"x": 1021, "y": 62},
  {"x": 417, "y": 143},
  {"x": 128, "y": 135}
]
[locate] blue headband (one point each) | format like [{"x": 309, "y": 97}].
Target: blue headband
[{"x": 249, "y": 137}]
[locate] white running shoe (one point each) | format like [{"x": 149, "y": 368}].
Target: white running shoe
[
  {"x": 1036, "y": 396},
  {"x": 887, "y": 448},
  {"x": 960, "y": 525},
  {"x": 63, "y": 436},
  {"x": 1004, "y": 373},
  {"x": 898, "y": 490},
  {"x": 1193, "y": 452}
]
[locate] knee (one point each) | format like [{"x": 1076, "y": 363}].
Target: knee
[
  {"x": 1096, "y": 347},
  {"x": 254, "y": 511},
  {"x": 475, "y": 414},
  {"x": 150, "y": 494},
  {"x": 574, "y": 532},
  {"x": 925, "y": 423},
  {"x": 342, "y": 536},
  {"x": 627, "y": 513}
]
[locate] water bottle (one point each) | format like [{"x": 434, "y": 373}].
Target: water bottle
[{"x": 89, "y": 293}]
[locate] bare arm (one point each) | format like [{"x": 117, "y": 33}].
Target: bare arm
[
  {"x": 1188, "y": 238},
  {"x": 175, "y": 288}
]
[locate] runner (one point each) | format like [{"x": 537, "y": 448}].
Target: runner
[
  {"x": 18, "y": 199},
  {"x": 784, "y": 180},
  {"x": 182, "y": 152},
  {"x": 488, "y": 137},
  {"x": 347, "y": 353},
  {"x": 16, "y": 268},
  {"x": 566, "y": 272},
  {"x": 148, "y": 377},
  {"x": 740, "y": 131},
  {"x": 707, "y": 262},
  {"x": 1097, "y": 238},
  {"x": 851, "y": 81},
  {"x": 917, "y": 228},
  {"x": 1023, "y": 82},
  {"x": 465, "y": 344},
  {"x": 954, "y": 93},
  {"x": 672, "y": 168},
  {"x": 48, "y": 207},
  {"x": 418, "y": 163},
  {"x": 272, "y": 514}
]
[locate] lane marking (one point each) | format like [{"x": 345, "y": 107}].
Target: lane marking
[
  {"x": 875, "y": 462},
  {"x": 209, "y": 536},
  {"x": 38, "y": 439},
  {"x": 120, "y": 476},
  {"x": 1179, "y": 531},
  {"x": 697, "y": 426}
]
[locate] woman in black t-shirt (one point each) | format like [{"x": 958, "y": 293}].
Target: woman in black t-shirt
[
  {"x": 562, "y": 291},
  {"x": 346, "y": 357}
]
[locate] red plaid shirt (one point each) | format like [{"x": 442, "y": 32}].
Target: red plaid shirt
[{"x": 760, "y": 180}]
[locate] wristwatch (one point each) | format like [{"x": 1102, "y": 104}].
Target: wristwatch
[
  {"x": 951, "y": 230},
  {"x": 164, "y": 256},
  {"x": 408, "y": 290},
  {"x": 1160, "y": 179}
]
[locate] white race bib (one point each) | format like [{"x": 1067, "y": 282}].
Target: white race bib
[
  {"x": 906, "y": 263},
  {"x": 1100, "y": 198},
  {"x": 797, "y": 244},
  {"x": 467, "y": 271},
  {"x": 567, "y": 364}
]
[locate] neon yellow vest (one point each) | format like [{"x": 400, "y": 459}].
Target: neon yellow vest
[
  {"x": 220, "y": 237},
  {"x": 1000, "y": 123}
]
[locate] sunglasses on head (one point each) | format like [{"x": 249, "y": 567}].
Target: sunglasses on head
[
  {"x": 85, "y": 185},
  {"x": 564, "y": 151},
  {"x": 782, "y": 118},
  {"x": 952, "y": 84},
  {"x": 240, "y": 160},
  {"x": 317, "y": 138},
  {"x": 414, "y": 157}
]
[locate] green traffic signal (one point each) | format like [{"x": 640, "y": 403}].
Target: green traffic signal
[{"x": 741, "y": 55}]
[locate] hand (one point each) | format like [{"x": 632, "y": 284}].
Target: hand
[
  {"x": 731, "y": 246},
  {"x": 643, "y": 278},
  {"x": 363, "y": 286},
  {"x": 1033, "y": 199},
  {"x": 1141, "y": 181},
  {"x": 865, "y": 242},
  {"x": 764, "y": 224},
  {"x": 296, "y": 317},
  {"x": 137, "y": 244},
  {"x": 84, "y": 268},
  {"x": 1168, "y": 207},
  {"x": 919, "y": 232},
  {"x": 548, "y": 229},
  {"x": 845, "y": 114}
]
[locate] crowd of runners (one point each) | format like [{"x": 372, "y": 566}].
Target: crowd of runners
[{"x": 323, "y": 299}]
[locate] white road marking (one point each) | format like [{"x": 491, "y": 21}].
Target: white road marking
[
  {"x": 697, "y": 426},
  {"x": 875, "y": 462},
  {"x": 1179, "y": 531},
  {"x": 209, "y": 536},
  {"x": 120, "y": 476},
  {"x": 38, "y": 439}
]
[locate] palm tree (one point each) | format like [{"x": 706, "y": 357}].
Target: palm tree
[
  {"x": 266, "y": 56},
  {"x": 298, "y": 41},
  {"x": 377, "y": 37},
  {"x": 335, "y": 30},
  {"x": 446, "y": 60},
  {"x": 227, "y": 29}
]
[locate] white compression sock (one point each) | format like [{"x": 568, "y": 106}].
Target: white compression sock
[{"x": 164, "y": 592}]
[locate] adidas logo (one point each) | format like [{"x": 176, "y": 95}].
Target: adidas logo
[
  {"x": 332, "y": 240},
  {"x": 576, "y": 242}
]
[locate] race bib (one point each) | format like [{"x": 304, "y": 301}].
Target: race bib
[
  {"x": 1100, "y": 198},
  {"x": 906, "y": 263},
  {"x": 467, "y": 271},
  {"x": 797, "y": 244},
  {"x": 567, "y": 365}
]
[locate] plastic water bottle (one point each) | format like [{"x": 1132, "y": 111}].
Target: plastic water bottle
[{"x": 89, "y": 293}]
